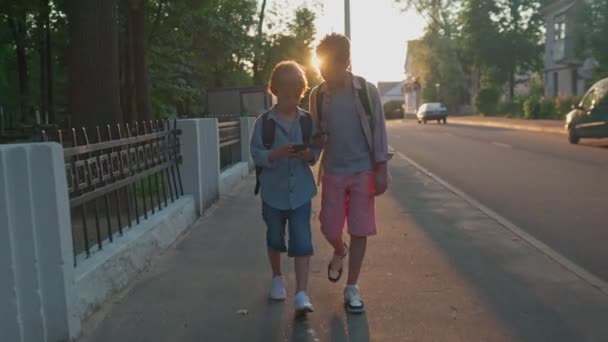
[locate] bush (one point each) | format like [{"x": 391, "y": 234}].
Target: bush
[
  {"x": 510, "y": 108},
  {"x": 563, "y": 105},
  {"x": 486, "y": 101},
  {"x": 393, "y": 110},
  {"x": 532, "y": 107}
]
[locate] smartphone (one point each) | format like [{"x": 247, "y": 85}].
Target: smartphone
[{"x": 300, "y": 147}]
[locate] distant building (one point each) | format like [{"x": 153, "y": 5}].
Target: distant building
[
  {"x": 391, "y": 91},
  {"x": 565, "y": 73}
]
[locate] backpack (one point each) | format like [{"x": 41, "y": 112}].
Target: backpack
[
  {"x": 364, "y": 96},
  {"x": 268, "y": 133}
]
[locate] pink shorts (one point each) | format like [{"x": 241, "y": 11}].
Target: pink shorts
[{"x": 348, "y": 197}]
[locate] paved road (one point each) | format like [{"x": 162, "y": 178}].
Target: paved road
[{"x": 555, "y": 191}]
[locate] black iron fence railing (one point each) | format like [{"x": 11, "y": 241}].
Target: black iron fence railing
[
  {"x": 230, "y": 143},
  {"x": 128, "y": 174}
]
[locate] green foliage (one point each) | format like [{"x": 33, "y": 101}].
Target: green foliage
[
  {"x": 191, "y": 46},
  {"x": 486, "y": 101},
  {"x": 510, "y": 108},
  {"x": 591, "y": 29},
  {"x": 393, "y": 107},
  {"x": 437, "y": 66}
]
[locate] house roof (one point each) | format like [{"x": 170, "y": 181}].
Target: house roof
[
  {"x": 557, "y": 5},
  {"x": 385, "y": 87}
]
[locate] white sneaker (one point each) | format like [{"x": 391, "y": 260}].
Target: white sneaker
[
  {"x": 352, "y": 300},
  {"x": 277, "y": 289},
  {"x": 302, "y": 303}
]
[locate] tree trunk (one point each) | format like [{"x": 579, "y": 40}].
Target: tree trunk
[
  {"x": 49, "y": 67},
  {"x": 94, "y": 88},
  {"x": 17, "y": 26},
  {"x": 42, "y": 51},
  {"x": 137, "y": 18},
  {"x": 127, "y": 69},
  {"x": 512, "y": 85},
  {"x": 257, "y": 71}
]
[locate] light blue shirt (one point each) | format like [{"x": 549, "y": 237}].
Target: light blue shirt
[
  {"x": 347, "y": 148},
  {"x": 287, "y": 183}
]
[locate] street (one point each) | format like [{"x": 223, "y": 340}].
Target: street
[{"x": 552, "y": 190}]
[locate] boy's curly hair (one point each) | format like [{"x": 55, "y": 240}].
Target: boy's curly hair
[
  {"x": 336, "y": 46},
  {"x": 288, "y": 75}
]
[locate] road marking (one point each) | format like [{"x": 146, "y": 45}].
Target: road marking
[
  {"x": 571, "y": 266},
  {"x": 501, "y": 144}
]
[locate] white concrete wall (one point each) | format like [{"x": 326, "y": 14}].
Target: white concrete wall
[
  {"x": 36, "y": 259},
  {"x": 247, "y": 125},
  {"x": 43, "y": 297},
  {"x": 201, "y": 166},
  {"x": 110, "y": 270}
]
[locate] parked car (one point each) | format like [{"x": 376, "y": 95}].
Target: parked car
[
  {"x": 432, "y": 111},
  {"x": 589, "y": 119}
]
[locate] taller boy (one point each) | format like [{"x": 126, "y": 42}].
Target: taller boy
[{"x": 349, "y": 119}]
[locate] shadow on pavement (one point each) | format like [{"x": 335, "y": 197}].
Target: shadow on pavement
[
  {"x": 356, "y": 329},
  {"x": 532, "y": 311}
]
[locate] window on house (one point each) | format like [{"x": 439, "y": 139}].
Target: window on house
[{"x": 559, "y": 27}]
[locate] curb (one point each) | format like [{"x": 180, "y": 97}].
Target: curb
[{"x": 548, "y": 130}]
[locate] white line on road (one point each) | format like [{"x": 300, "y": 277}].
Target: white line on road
[
  {"x": 501, "y": 144},
  {"x": 571, "y": 266}
]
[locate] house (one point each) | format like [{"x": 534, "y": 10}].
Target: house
[
  {"x": 391, "y": 91},
  {"x": 565, "y": 73}
]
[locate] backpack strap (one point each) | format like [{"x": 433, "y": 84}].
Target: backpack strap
[
  {"x": 366, "y": 101},
  {"x": 319, "y": 103},
  {"x": 306, "y": 127},
  {"x": 268, "y": 131}
]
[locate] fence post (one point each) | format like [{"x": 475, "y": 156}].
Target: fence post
[
  {"x": 201, "y": 160},
  {"x": 247, "y": 124},
  {"x": 36, "y": 257}
]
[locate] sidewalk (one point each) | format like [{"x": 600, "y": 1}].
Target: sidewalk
[
  {"x": 439, "y": 270},
  {"x": 542, "y": 126}
]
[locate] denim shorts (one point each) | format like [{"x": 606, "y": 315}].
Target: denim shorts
[{"x": 300, "y": 239}]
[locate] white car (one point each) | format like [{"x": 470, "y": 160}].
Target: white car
[{"x": 432, "y": 111}]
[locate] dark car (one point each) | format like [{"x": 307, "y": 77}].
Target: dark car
[
  {"x": 589, "y": 119},
  {"x": 432, "y": 111}
]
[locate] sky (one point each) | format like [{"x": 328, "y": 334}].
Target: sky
[{"x": 379, "y": 32}]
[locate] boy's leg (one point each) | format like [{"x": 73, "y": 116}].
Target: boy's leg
[
  {"x": 302, "y": 266},
  {"x": 333, "y": 210},
  {"x": 275, "y": 236},
  {"x": 358, "y": 246},
  {"x": 361, "y": 221},
  {"x": 300, "y": 243}
]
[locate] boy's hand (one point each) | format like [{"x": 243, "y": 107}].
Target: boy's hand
[
  {"x": 380, "y": 179},
  {"x": 281, "y": 152},
  {"x": 305, "y": 155}
]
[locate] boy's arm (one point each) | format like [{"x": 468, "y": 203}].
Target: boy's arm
[
  {"x": 380, "y": 135},
  {"x": 259, "y": 153}
]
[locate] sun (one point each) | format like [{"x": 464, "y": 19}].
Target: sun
[{"x": 316, "y": 63}]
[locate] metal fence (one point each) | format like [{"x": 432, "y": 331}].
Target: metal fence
[
  {"x": 230, "y": 141},
  {"x": 129, "y": 173}
]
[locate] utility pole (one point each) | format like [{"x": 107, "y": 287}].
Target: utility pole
[{"x": 347, "y": 18}]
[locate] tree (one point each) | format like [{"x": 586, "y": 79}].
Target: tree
[
  {"x": 258, "y": 47},
  {"x": 520, "y": 26},
  {"x": 93, "y": 92},
  {"x": 592, "y": 35},
  {"x": 135, "y": 88},
  {"x": 441, "y": 14}
]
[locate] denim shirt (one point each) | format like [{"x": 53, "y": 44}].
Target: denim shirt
[{"x": 286, "y": 183}]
